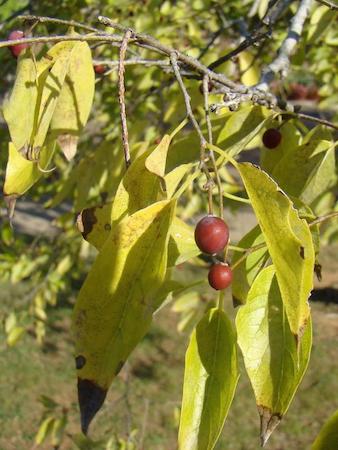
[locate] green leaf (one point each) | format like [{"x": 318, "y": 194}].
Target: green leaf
[
  {"x": 116, "y": 302},
  {"x": 210, "y": 381},
  {"x": 317, "y": 174},
  {"x": 319, "y": 23},
  {"x": 14, "y": 335},
  {"x": 245, "y": 273},
  {"x": 289, "y": 242},
  {"x": 75, "y": 100},
  {"x": 242, "y": 126},
  {"x": 327, "y": 439},
  {"x": 274, "y": 364},
  {"x": 174, "y": 178}
]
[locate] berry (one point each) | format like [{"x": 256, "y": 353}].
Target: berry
[
  {"x": 272, "y": 138},
  {"x": 220, "y": 276},
  {"x": 211, "y": 234},
  {"x": 17, "y": 49},
  {"x": 99, "y": 69}
]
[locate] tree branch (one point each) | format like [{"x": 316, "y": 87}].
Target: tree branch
[
  {"x": 282, "y": 62},
  {"x": 125, "y": 141}
]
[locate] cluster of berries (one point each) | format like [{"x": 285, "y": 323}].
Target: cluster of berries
[{"x": 212, "y": 236}]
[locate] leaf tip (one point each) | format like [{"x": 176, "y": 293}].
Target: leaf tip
[
  {"x": 91, "y": 398},
  {"x": 269, "y": 421},
  {"x": 10, "y": 201}
]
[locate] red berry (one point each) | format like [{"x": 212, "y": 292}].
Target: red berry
[
  {"x": 17, "y": 49},
  {"x": 272, "y": 138},
  {"x": 99, "y": 69},
  {"x": 220, "y": 276},
  {"x": 211, "y": 234}
]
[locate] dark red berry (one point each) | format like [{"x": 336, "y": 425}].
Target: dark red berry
[
  {"x": 99, "y": 69},
  {"x": 220, "y": 276},
  {"x": 17, "y": 49},
  {"x": 272, "y": 138},
  {"x": 211, "y": 234}
]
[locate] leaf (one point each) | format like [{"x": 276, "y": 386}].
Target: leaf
[
  {"x": 248, "y": 68},
  {"x": 245, "y": 273},
  {"x": 58, "y": 431},
  {"x": 317, "y": 174},
  {"x": 19, "y": 109},
  {"x": 14, "y": 335},
  {"x": 174, "y": 178},
  {"x": 274, "y": 364},
  {"x": 116, "y": 302},
  {"x": 75, "y": 100},
  {"x": 289, "y": 242},
  {"x": 142, "y": 183},
  {"x": 50, "y": 84},
  {"x": 290, "y": 140},
  {"x": 327, "y": 439},
  {"x": 242, "y": 126},
  {"x": 182, "y": 245},
  {"x": 319, "y": 23},
  {"x": 45, "y": 430},
  {"x": 22, "y": 174},
  {"x": 210, "y": 380}
]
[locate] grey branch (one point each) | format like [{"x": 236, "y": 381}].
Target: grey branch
[
  {"x": 281, "y": 64},
  {"x": 125, "y": 140}
]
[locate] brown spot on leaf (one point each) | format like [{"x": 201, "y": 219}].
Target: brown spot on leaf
[
  {"x": 301, "y": 252},
  {"x": 107, "y": 226},
  {"x": 86, "y": 220},
  {"x": 80, "y": 362},
  {"x": 91, "y": 398}
]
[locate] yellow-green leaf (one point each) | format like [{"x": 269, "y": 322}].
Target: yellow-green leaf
[
  {"x": 45, "y": 429},
  {"x": 245, "y": 273},
  {"x": 317, "y": 162},
  {"x": 210, "y": 381},
  {"x": 248, "y": 68},
  {"x": 274, "y": 364},
  {"x": 21, "y": 174},
  {"x": 182, "y": 245},
  {"x": 19, "y": 109},
  {"x": 116, "y": 302},
  {"x": 288, "y": 240},
  {"x": 75, "y": 99},
  {"x": 14, "y": 335},
  {"x": 327, "y": 439}
]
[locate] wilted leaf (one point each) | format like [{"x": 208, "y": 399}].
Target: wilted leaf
[
  {"x": 289, "y": 242},
  {"x": 210, "y": 381},
  {"x": 116, "y": 302},
  {"x": 274, "y": 364},
  {"x": 22, "y": 174},
  {"x": 75, "y": 100}
]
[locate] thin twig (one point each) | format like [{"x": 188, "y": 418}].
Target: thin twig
[
  {"x": 322, "y": 219},
  {"x": 125, "y": 141},
  {"x": 187, "y": 100},
  {"x": 316, "y": 119},
  {"x": 210, "y": 139},
  {"x": 134, "y": 61},
  {"x": 70, "y": 23}
]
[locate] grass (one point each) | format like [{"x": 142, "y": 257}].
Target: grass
[{"x": 146, "y": 395}]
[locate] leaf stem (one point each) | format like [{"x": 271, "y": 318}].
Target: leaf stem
[
  {"x": 247, "y": 253},
  {"x": 322, "y": 219}
]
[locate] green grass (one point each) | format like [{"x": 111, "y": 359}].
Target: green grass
[{"x": 147, "y": 394}]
